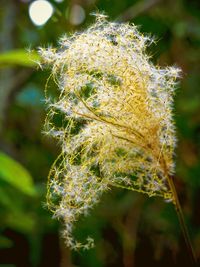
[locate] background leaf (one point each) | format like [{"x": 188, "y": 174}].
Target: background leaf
[
  {"x": 19, "y": 57},
  {"x": 15, "y": 174}
]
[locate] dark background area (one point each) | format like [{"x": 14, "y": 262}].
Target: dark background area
[{"x": 129, "y": 229}]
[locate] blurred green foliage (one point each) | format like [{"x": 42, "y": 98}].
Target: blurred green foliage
[
  {"x": 19, "y": 57},
  {"x": 16, "y": 175},
  {"x": 127, "y": 227}
]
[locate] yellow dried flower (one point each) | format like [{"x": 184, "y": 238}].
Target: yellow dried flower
[{"x": 117, "y": 127}]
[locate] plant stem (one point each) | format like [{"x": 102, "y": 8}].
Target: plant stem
[{"x": 181, "y": 220}]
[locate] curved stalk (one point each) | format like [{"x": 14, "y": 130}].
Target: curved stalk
[{"x": 181, "y": 220}]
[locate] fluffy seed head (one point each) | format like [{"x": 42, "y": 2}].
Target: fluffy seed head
[{"x": 117, "y": 126}]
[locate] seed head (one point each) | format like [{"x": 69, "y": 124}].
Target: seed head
[{"x": 117, "y": 127}]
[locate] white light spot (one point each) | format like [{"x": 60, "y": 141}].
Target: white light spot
[
  {"x": 40, "y": 11},
  {"x": 77, "y": 15},
  {"x": 59, "y": 1}
]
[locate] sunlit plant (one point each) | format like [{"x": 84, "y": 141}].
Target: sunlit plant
[{"x": 117, "y": 124}]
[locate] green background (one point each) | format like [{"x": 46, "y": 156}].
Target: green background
[{"x": 129, "y": 229}]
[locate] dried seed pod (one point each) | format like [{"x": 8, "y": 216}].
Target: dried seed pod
[{"x": 118, "y": 128}]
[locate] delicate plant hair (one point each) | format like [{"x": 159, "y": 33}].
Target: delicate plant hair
[{"x": 117, "y": 127}]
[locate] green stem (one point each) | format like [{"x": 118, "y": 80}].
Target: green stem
[{"x": 181, "y": 220}]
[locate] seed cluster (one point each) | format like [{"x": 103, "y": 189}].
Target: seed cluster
[{"x": 117, "y": 127}]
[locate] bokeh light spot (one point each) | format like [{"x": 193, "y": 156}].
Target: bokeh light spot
[
  {"x": 40, "y": 12},
  {"x": 58, "y": 1},
  {"x": 77, "y": 15}
]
